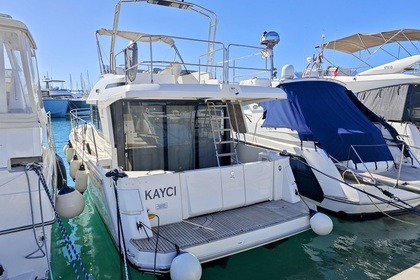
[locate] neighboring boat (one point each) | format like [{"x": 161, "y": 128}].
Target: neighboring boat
[
  {"x": 340, "y": 159},
  {"x": 58, "y": 100},
  {"x": 55, "y": 99},
  {"x": 171, "y": 183},
  {"x": 26, "y": 147},
  {"x": 391, "y": 90}
]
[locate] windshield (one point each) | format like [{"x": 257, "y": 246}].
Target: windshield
[
  {"x": 175, "y": 136},
  {"x": 14, "y": 93}
]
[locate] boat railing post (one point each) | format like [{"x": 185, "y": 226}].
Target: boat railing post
[
  {"x": 367, "y": 169},
  {"x": 151, "y": 59},
  {"x": 400, "y": 165},
  {"x": 94, "y": 144}
]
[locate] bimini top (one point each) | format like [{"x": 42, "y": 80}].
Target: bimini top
[
  {"x": 322, "y": 111},
  {"x": 360, "y": 42},
  {"x": 137, "y": 36}
]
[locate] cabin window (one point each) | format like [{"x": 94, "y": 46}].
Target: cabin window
[
  {"x": 174, "y": 136},
  {"x": 14, "y": 97},
  {"x": 96, "y": 119},
  {"x": 34, "y": 75},
  {"x": 414, "y": 102}
]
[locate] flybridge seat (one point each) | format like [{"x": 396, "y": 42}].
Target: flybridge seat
[
  {"x": 338, "y": 71},
  {"x": 198, "y": 78},
  {"x": 172, "y": 74},
  {"x": 262, "y": 82}
]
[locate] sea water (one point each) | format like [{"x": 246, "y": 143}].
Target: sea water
[{"x": 370, "y": 249}]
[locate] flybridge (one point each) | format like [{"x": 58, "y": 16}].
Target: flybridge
[
  {"x": 194, "y": 60},
  {"x": 172, "y": 126}
]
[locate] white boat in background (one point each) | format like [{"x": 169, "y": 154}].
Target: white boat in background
[
  {"x": 172, "y": 184},
  {"x": 391, "y": 90},
  {"x": 26, "y": 148},
  {"x": 339, "y": 157}
]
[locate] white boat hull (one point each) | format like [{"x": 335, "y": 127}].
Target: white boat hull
[
  {"x": 16, "y": 260},
  {"x": 341, "y": 196},
  {"x": 26, "y": 223},
  {"x": 180, "y": 198}
]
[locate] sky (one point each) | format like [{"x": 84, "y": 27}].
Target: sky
[{"x": 64, "y": 31}]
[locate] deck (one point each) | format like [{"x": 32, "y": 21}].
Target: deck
[
  {"x": 409, "y": 178},
  {"x": 217, "y": 226}
]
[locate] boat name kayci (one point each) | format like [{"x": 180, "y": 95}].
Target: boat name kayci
[{"x": 160, "y": 193}]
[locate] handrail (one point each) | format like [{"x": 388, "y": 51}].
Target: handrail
[
  {"x": 234, "y": 60},
  {"x": 94, "y": 144},
  {"x": 400, "y": 165},
  {"x": 367, "y": 169},
  {"x": 77, "y": 121},
  {"x": 226, "y": 61}
]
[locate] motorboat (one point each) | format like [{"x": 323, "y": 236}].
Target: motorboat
[
  {"x": 26, "y": 151},
  {"x": 58, "y": 100},
  {"x": 345, "y": 159},
  {"x": 33, "y": 194},
  {"x": 159, "y": 157},
  {"x": 55, "y": 99},
  {"x": 378, "y": 86}
]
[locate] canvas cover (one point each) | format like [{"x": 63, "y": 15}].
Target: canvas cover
[
  {"x": 360, "y": 42},
  {"x": 321, "y": 111},
  {"x": 380, "y": 101}
]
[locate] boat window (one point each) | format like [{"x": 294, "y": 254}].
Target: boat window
[
  {"x": 33, "y": 73},
  {"x": 14, "y": 94},
  {"x": 414, "y": 102},
  {"x": 378, "y": 101},
  {"x": 164, "y": 136},
  {"x": 96, "y": 120}
]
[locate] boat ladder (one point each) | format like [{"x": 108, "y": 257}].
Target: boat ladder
[{"x": 221, "y": 125}]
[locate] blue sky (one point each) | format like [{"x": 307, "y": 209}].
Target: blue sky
[{"x": 65, "y": 30}]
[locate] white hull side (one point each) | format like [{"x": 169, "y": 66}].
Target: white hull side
[
  {"x": 19, "y": 245},
  {"x": 135, "y": 197},
  {"x": 18, "y": 232},
  {"x": 345, "y": 198}
]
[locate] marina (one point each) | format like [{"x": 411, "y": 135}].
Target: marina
[
  {"x": 366, "y": 249},
  {"x": 162, "y": 157},
  {"x": 191, "y": 158}
]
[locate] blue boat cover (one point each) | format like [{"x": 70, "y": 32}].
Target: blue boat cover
[{"x": 321, "y": 111}]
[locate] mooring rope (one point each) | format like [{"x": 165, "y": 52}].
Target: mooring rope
[
  {"x": 115, "y": 175},
  {"x": 73, "y": 255},
  {"x": 371, "y": 200}
]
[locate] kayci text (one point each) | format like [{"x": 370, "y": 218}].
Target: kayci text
[{"x": 160, "y": 193}]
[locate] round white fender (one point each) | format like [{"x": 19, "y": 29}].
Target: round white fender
[
  {"x": 69, "y": 202},
  {"x": 321, "y": 224},
  {"x": 69, "y": 152},
  {"x": 185, "y": 266},
  {"x": 81, "y": 179},
  {"x": 74, "y": 166}
]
